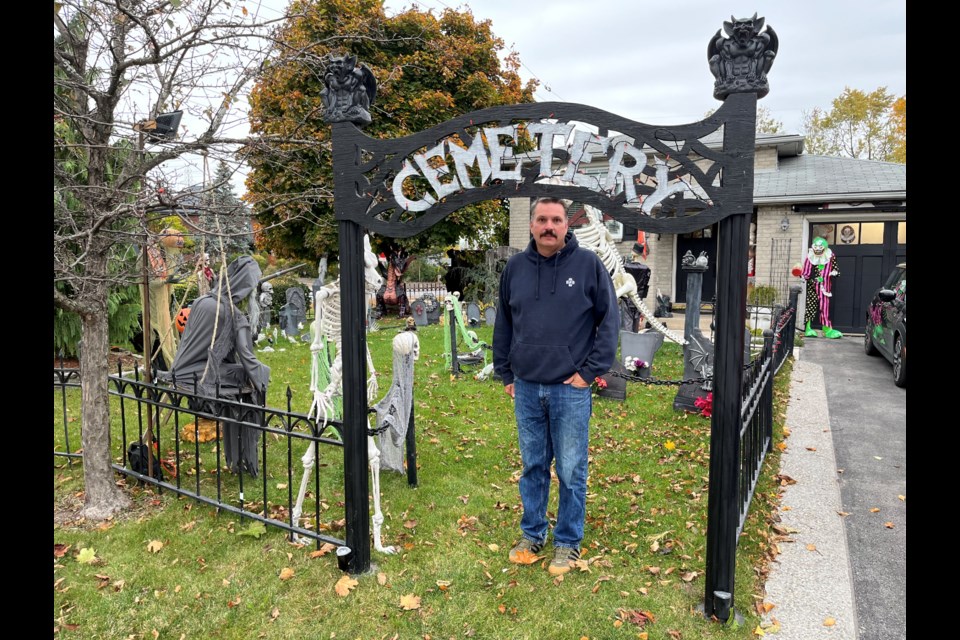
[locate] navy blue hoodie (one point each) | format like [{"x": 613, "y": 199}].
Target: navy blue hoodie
[{"x": 555, "y": 316}]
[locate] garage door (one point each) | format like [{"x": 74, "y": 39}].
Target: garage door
[{"x": 866, "y": 253}]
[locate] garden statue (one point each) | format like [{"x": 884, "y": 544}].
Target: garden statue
[
  {"x": 160, "y": 255},
  {"x": 740, "y": 61},
  {"x": 266, "y": 307},
  {"x": 326, "y": 383},
  {"x": 819, "y": 269},
  {"x": 217, "y": 351},
  {"x": 349, "y": 91},
  {"x": 393, "y": 291}
]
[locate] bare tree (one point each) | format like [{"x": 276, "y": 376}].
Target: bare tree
[{"x": 118, "y": 66}]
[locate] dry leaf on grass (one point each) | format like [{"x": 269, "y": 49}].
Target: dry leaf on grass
[
  {"x": 324, "y": 549},
  {"x": 525, "y": 556},
  {"x": 409, "y": 602},
  {"x": 154, "y": 546},
  {"x": 286, "y": 573},
  {"x": 381, "y": 578},
  {"x": 344, "y": 585}
]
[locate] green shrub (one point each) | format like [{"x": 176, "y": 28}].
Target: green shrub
[
  {"x": 123, "y": 309},
  {"x": 762, "y": 295}
]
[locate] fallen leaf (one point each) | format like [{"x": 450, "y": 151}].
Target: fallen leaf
[
  {"x": 654, "y": 570},
  {"x": 443, "y": 585},
  {"x": 888, "y": 525},
  {"x": 617, "y": 624},
  {"x": 811, "y": 547},
  {"x": 874, "y": 510},
  {"x": 154, "y": 546},
  {"x": 525, "y": 556},
  {"x": 409, "y": 602},
  {"x": 410, "y": 524},
  {"x": 118, "y": 585},
  {"x": 782, "y": 446},
  {"x": 381, "y": 578},
  {"x": 274, "y": 614},
  {"x": 785, "y": 479},
  {"x": 829, "y": 622},
  {"x": 843, "y": 513},
  {"x": 59, "y": 550},
  {"x": 493, "y": 547},
  {"x": 877, "y": 458},
  {"x": 502, "y": 608},
  {"x": 811, "y": 448},
  {"x": 344, "y": 585},
  {"x": 674, "y": 634},
  {"x": 688, "y": 576},
  {"x": 156, "y": 634},
  {"x": 901, "y": 497},
  {"x": 254, "y": 530},
  {"x": 86, "y": 556},
  {"x": 232, "y": 603},
  {"x": 643, "y": 635},
  {"x": 758, "y": 631},
  {"x": 324, "y": 549},
  {"x": 286, "y": 573}
]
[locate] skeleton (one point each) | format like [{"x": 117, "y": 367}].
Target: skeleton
[{"x": 326, "y": 330}]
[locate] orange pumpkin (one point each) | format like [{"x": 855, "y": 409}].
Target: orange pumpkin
[{"x": 181, "y": 319}]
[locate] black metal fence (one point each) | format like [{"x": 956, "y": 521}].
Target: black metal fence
[
  {"x": 756, "y": 428},
  {"x": 179, "y": 421}
]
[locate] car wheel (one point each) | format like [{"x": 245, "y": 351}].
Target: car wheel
[
  {"x": 899, "y": 362},
  {"x": 868, "y": 347}
]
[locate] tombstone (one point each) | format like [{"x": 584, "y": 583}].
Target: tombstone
[
  {"x": 698, "y": 353},
  {"x": 433, "y": 308},
  {"x": 473, "y": 314},
  {"x": 616, "y": 385},
  {"x": 321, "y": 276},
  {"x": 294, "y": 313},
  {"x": 641, "y": 346},
  {"x": 490, "y": 316},
  {"x": 419, "y": 310},
  {"x": 664, "y": 307}
]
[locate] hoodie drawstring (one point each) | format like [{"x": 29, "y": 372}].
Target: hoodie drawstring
[
  {"x": 556, "y": 268},
  {"x": 538, "y": 277}
]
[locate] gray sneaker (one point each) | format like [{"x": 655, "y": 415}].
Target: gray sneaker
[
  {"x": 526, "y": 551},
  {"x": 563, "y": 559}
]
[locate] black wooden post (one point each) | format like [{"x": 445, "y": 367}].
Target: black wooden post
[
  {"x": 412, "y": 443},
  {"x": 353, "y": 326},
  {"x": 452, "y": 322},
  {"x": 723, "y": 499}
]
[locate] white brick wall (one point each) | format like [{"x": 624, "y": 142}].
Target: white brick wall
[
  {"x": 765, "y": 159},
  {"x": 519, "y": 223}
]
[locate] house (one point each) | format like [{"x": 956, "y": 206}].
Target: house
[{"x": 859, "y": 206}]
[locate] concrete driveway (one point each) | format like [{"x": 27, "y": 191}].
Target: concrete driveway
[{"x": 868, "y": 423}]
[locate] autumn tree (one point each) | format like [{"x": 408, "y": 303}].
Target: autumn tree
[
  {"x": 858, "y": 125},
  {"x": 429, "y": 69},
  {"x": 118, "y": 65},
  {"x": 899, "y": 131}
]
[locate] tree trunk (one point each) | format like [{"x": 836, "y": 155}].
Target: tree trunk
[{"x": 102, "y": 497}]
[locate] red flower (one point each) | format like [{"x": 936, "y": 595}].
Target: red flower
[{"x": 705, "y": 405}]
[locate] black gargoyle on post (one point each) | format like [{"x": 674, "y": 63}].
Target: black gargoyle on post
[
  {"x": 740, "y": 62},
  {"x": 349, "y": 92}
]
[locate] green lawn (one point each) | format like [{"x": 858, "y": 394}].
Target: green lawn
[{"x": 644, "y": 544}]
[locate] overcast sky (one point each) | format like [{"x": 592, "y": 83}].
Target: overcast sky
[{"x": 647, "y": 60}]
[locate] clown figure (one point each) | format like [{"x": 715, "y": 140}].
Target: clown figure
[{"x": 819, "y": 269}]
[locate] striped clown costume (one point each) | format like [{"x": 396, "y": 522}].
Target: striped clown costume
[{"x": 819, "y": 269}]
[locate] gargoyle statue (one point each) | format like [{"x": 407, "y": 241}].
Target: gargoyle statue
[{"x": 349, "y": 92}]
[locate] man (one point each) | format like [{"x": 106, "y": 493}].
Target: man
[{"x": 556, "y": 331}]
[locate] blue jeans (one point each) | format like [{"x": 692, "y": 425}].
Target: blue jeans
[{"x": 553, "y": 420}]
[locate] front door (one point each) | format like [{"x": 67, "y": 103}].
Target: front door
[
  {"x": 695, "y": 242},
  {"x": 866, "y": 254}
]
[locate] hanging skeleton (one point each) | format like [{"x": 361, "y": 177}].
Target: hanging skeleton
[
  {"x": 595, "y": 237},
  {"x": 327, "y": 397}
]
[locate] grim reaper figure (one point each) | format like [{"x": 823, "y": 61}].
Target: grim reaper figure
[{"x": 217, "y": 350}]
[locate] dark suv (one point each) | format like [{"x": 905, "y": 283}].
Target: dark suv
[{"x": 886, "y": 330}]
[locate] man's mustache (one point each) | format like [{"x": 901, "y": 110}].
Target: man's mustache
[{"x": 548, "y": 233}]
